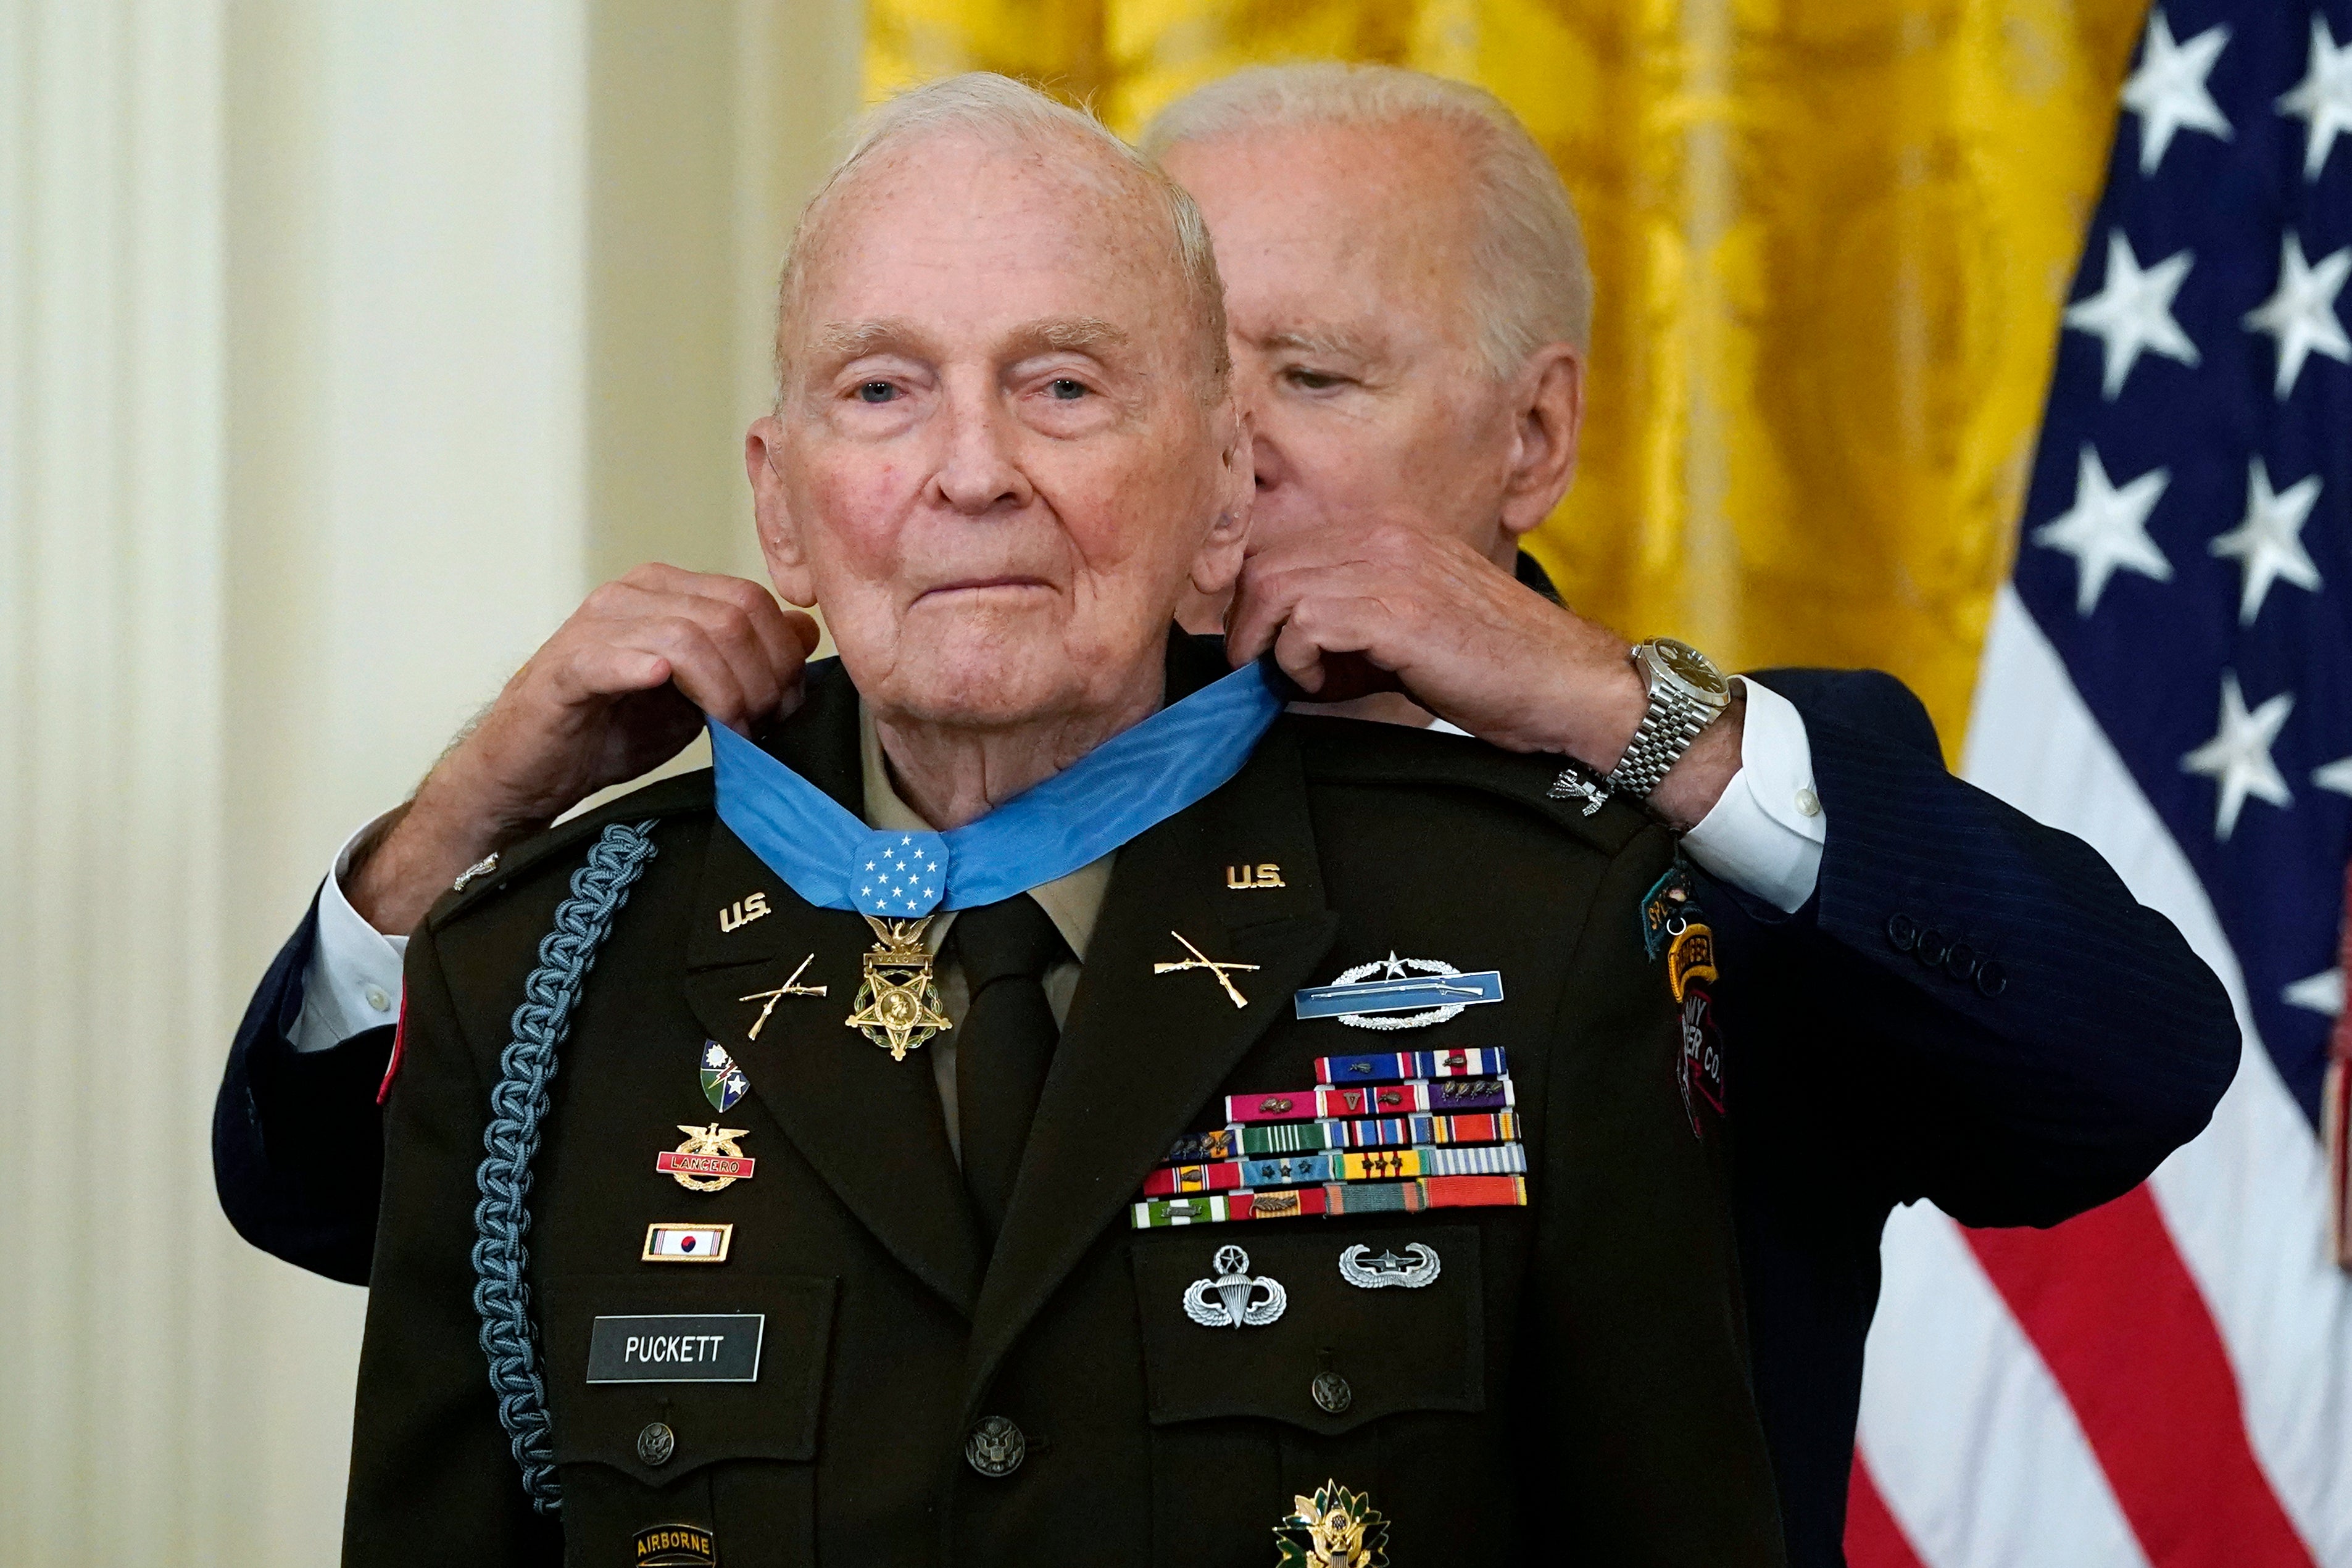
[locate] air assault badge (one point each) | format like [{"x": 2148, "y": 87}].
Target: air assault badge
[
  {"x": 1336, "y": 1528},
  {"x": 897, "y": 1002}
]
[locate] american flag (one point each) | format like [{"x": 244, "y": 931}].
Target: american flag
[{"x": 2168, "y": 674}]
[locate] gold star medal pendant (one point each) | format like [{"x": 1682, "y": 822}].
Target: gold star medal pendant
[
  {"x": 897, "y": 1002},
  {"x": 1136, "y": 779}
]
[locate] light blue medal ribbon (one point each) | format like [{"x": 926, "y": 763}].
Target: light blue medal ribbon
[{"x": 1135, "y": 780}]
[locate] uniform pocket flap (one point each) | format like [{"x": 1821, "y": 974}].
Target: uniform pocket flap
[
  {"x": 1399, "y": 1327},
  {"x": 731, "y": 1366}
]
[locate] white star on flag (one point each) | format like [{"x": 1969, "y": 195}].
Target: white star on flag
[
  {"x": 2324, "y": 97},
  {"x": 2270, "y": 542},
  {"x": 2107, "y": 528},
  {"x": 2335, "y": 776},
  {"x": 2239, "y": 755},
  {"x": 2302, "y": 314},
  {"x": 2322, "y": 993},
  {"x": 2167, "y": 92},
  {"x": 2132, "y": 312}
]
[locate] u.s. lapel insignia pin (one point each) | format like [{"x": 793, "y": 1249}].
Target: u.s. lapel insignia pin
[
  {"x": 1199, "y": 960},
  {"x": 709, "y": 1160},
  {"x": 1335, "y": 1528},
  {"x": 897, "y": 1002},
  {"x": 791, "y": 988},
  {"x": 742, "y": 912},
  {"x": 1399, "y": 993},
  {"x": 1232, "y": 1299}
]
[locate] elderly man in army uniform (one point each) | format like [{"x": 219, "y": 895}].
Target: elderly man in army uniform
[{"x": 1042, "y": 1103}]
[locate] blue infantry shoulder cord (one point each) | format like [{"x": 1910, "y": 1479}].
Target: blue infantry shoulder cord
[{"x": 518, "y": 1105}]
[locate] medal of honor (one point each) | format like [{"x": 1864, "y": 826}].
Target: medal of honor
[
  {"x": 898, "y": 1003},
  {"x": 1138, "y": 778}
]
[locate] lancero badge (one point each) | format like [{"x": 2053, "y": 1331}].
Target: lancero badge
[
  {"x": 711, "y": 1159},
  {"x": 673, "y": 1546}
]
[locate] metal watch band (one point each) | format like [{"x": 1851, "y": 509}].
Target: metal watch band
[{"x": 1666, "y": 731}]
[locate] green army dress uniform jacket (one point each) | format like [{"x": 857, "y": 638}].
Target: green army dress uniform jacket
[{"x": 1572, "y": 1387}]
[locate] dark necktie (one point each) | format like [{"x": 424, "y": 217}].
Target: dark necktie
[{"x": 1004, "y": 1044}]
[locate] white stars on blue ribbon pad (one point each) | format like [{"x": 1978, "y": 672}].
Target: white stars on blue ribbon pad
[{"x": 899, "y": 874}]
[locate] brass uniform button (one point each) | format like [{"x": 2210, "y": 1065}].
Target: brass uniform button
[
  {"x": 1332, "y": 1394},
  {"x": 995, "y": 1448},
  {"x": 655, "y": 1444}
]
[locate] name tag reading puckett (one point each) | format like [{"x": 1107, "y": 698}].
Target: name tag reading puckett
[{"x": 677, "y": 1347}]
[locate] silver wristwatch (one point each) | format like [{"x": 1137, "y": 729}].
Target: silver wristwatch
[{"x": 1687, "y": 692}]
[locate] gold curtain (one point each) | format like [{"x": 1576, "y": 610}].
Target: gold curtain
[{"x": 1832, "y": 240}]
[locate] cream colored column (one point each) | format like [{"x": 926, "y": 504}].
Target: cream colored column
[
  {"x": 342, "y": 344},
  {"x": 292, "y": 417},
  {"x": 111, "y": 598},
  {"x": 405, "y": 412}
]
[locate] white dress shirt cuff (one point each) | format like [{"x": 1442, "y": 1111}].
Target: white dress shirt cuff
[
  {"x": 353, "y": 984},
  {"x": 1765, "y": 836}
]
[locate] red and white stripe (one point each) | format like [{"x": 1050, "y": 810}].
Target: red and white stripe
[{"x": 2166, "y": 1381}]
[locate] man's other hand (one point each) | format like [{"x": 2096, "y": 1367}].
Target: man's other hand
[
  {"x": 1389, "y": 606},
  {"x": 621, "y": 688}
]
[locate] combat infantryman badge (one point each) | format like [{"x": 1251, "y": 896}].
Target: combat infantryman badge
[
  {"x": 1419, "y": 992},
  {"x": 709, "y": 1160},
  {"x": 898, "y": 1004},
  {"x": 1336, "y": 1528},
  {"x": 1231, "y": 1300}
]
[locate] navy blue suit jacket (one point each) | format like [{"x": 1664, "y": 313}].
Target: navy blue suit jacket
[{"x": 1970, "y": 1009}]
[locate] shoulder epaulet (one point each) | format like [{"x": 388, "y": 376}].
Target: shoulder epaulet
[
  {"x": 1354, "y": 751},
  {"x": 682, "y": 795}
]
